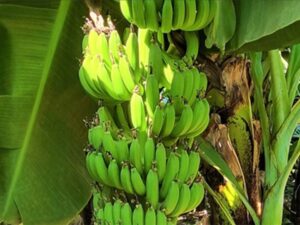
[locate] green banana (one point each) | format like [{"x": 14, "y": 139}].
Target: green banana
[
  {"x": 183, "y": 201},
  {"x": 100, "y": 216},
  {"x": 150, "y": 217},
  {"x": 155, "y": 62},
  {"x": 212, "y": 11},
  {"x": 137, "y": 182},
  {"x": 117, "y": 211},
  {"x": 188, "y": 84},
  {"x": 102, "y": 170},
  {"x": 149, "y": 154},
  {"x": 138, "y": 10},
  {"x": 194, "y": 164},
  {"x": 95, "y": 136},
  {"x": 178, "y": 103},
  {"x": 122, "y": 117},
  {"x": 200, "y": 109},
  {"x": 152, "y": 94},
  {"x": 126, "y": 214},
  {"x": 168, "y": 76},
  {"x": 138, "y": 215},
  {"x": 152, "y": 188},
  {"x": 183, "y": 124},
  {"x": 122, "y": 151},
  {"x": 86, "y": 85},
  {"x": 161, "y": 161},
  {"x": 171, "y": 172},
  {"x": 85, "y": 42},
  {"x": 104, "y": 80},
  {"x": 103, "y": 49},
  {"x": 125, "y": 35},
  {"x": 151, "y": 17},
  {"x": 190, "y": 13},
  {"x": 136, "y": 155},
  {"x": 203, "y": 83},
  {"x": 197, "y": 85},
  {"x": 167, "y": 16},
  {"x": 161, "y": 218},
  {"x": 92, "y": 72},
  {"x": 98, "y": 201},
  {"x": 183, "y": 165},
  {"x": 118, "y": 84},
  {"x": 114, "y": 174},
  {"x": 87, "y": 71},
  {"x": 169, "y": 120},
  {"x": 108, "y": 213},
  {"x": 203, "y": 16},
  {"x": 158, "y": 120},
  {"x": 125, "y": 178},
  {"x": 196, "y": 131},
  {"x": 105, "y": 116},
  {"x": 125, "y": 6},
  {"x": 115, "y": 45},
  {"x": 107, "y": 121},
  {"x": 137, "y": 112},
  {"x": 132, "y": 50},
  {"x": 178, "y": 14},
  {"x": 144, "y": 40},
  {"x": 91, "y": 166},
  {"x": 178, "y": 84},
  {"x": 197, "y": 195},
  {"x": 92, "y": 42},
  {"x": 127, "y": 74},
  {"x": 171, "y": 199},
  {"x": 192, "y": 44},
  {"x": 109, "y": 145}
]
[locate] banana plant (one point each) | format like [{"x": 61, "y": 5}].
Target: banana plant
[
  {"x": 278, "y": 120},
  {"x": 42, "y": 176}
]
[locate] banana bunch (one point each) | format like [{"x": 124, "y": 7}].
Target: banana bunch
[
  {"x": 143, "y": 170},
  {"x": 188, "y": 122},
  {"x": 120, "y": 212},
  {"x": 167, "y": 15},
  {"x": 152, "y": 106},
  {"x": 180, "y": 199},
  {"x": 109, "y": 70}
]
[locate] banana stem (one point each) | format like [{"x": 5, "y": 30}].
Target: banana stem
[
  {"x": 257, "y": 75},
  {"x": 273, "y": 205},
  {"x": 280, "y": 106},
  {"x": 283, "y": 137},
  {"x": 293, "y": 73}
]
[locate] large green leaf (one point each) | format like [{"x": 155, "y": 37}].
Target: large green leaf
[
  {"x": 265, "y": 24},
  {"x": 42, "y": 174}
]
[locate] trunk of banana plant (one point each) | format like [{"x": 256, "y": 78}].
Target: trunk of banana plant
[{"x": 233, "y": 132}]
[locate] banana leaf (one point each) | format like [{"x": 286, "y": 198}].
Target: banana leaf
[
  {"x": 42, "y": 170},
  {"x": 265, "y": 24},
  {"x": 213, "y": 158}
]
